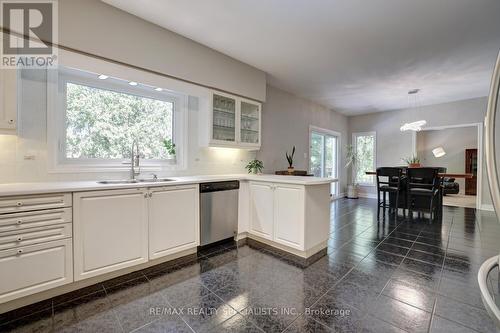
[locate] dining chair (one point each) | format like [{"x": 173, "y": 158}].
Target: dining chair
[
  {"x": 388, "y": 181},
  {"x": 422, "y": 190}
]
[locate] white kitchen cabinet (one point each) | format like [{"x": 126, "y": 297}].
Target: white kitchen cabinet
[
  {"x": 289, "y": 215},
  {"x": 233, "y": 122},
  {"x": 262, "y": 209},
  {"x": 174, "y": 223},
  {"x": 8, "y": 97},
  {"x": 110, "y": 231},
  {"x": 30, "y": 269}
]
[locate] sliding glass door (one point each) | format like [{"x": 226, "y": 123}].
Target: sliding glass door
[{"x": 324, "y": 155}]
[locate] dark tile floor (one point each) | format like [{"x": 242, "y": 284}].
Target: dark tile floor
[{"x": 394, "y": 276}]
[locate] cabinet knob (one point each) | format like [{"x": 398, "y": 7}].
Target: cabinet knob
[
  {"x": 19, "y": 204},
  {"x": 19, "y": 239},
  {"x": 150, "y": 194},
  {"x": 19, "y": 251},
  {"x": 19, "y": 221},
  {"x": 145, "y": 195}
]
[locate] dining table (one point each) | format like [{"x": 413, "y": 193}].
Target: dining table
[{"x": 402, "y": 203}]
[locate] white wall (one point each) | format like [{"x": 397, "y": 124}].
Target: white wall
[
  {"x": 454, "y": 141},
  {"x": 393, "y": 145},
  {"x": 285, "y": 122},
  {"x": 32, "y": 134},
  {"x": 95, "y": 27}
]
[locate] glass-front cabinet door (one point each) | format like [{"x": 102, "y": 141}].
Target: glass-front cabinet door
[
  {"x": 249, "y": 122},
  {"x": 235, "y": 122},
  {"x": 224, "y": 118}
]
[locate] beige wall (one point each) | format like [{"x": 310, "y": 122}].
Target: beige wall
[
  {"x": 285, "y": 122},
  {"x": 393, "y": 145},
  {"x": 454, "y": 141},
  {"x": 95, "y": 27}
]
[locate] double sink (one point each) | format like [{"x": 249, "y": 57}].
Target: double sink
[{"x": 135, "y": 181}]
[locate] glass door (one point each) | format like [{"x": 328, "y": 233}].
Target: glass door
[
  {"x": 250, "y": 122},
  {"x": 324, "y": 156},
  {"x": 224, "y": 118}
]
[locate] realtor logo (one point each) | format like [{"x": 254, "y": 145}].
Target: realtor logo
[{"x": 33, "y": 31}]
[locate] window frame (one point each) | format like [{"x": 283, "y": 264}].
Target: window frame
[
  {"x": 56, "y": 123},
  {"x": 355, "y": 135}
]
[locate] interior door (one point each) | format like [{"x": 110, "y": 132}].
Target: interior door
[{"x": 324, "y": 156}]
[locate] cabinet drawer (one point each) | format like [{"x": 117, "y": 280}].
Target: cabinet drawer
[
  {"x": 31, "y": 269},
  {"x": 32, "y": 236},
  {"x": 19, "y": 221},
  {"x": 34, "y": 202}
]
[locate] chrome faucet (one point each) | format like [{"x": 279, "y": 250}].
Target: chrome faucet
[{"x": 135, "y": 168}]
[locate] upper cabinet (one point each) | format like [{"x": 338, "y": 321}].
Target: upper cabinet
[
  {"x": 234, "y": 122},
  {"x": 8, "y": 97}
]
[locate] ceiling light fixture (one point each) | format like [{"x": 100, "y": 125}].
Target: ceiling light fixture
[
  {"x": 438, "y": 152},
  {"x": 158, "y": 89},
  {"x": 132, "y": 83},
  {"x": 414, "y": 126},
  {"x": 102, "y": 77}
]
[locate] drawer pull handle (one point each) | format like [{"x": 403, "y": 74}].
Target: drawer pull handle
[
  {"x": 19, "y": 239},
  {"x": 19, "y": 251},
  {"x": 19, "y": 221},
  {"x": 19, "y": 204}
]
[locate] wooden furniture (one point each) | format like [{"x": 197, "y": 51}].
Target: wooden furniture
[
  {"x": 294, "y": 173},
  {"x": 440, "y": 174},
  {"x": 422, "y": 183},
  {"x": 388, "y": 181},
  {"x": 471, "y": 168}
]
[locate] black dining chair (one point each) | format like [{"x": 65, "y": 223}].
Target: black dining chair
[
  {"x": 422, "y": 190},
  {"x": 388, "y": 181}
]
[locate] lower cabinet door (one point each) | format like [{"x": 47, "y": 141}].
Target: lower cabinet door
[
  {"x": 31, "y": 269},
  {"x": 289, "y": 215},
  {"x": 110, "y": 231},
  {"x": 174, "y": 221},
  {"x": 261, "y": 210}
]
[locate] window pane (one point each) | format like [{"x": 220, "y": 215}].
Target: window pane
[
  {"x": 330, "y": 157},
  {"x": 365, "y": 147},
  {"x": 316, "y": 154},
  {"x": 103, "y": 123}
]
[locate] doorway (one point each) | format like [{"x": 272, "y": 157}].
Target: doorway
[
  {"x": 460, "y": 151},
  {"x": 324, "y": 153}
]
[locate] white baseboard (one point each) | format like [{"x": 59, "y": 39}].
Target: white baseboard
[{"x": 487, "y": 207}]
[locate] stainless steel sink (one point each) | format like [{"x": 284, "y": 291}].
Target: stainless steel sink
[
  {"x": 119, "y": 181},
  {"x": 155, "y": 180},
  {"x": 135, "y": 181}
]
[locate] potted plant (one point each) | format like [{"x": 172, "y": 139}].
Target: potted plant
[
  {"x": 413, "y": 161},
  {"x": 289, "y": 158},
  {"x": 255, "y": 166},
  {"x": 352, "y": 161},
  {"x": 170, "y": 148}
]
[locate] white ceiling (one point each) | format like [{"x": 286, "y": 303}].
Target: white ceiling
[{"x": 354, "y": 56}]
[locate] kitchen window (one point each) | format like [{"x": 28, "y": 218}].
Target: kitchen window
[
  {"x": 98, "y": 118},
  {"x": 365, "y": 147}
]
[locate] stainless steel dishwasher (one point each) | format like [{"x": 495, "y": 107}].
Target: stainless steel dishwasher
[{"x": 218, "y": 210}]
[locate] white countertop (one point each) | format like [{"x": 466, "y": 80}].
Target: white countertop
[{"x": 78, "y": 186}]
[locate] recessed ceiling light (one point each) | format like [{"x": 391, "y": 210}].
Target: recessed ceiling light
[
  {"x": 132, "y": 83},
  {"x": 102, "y": 77},
  {"x": 158, "y": 89}
]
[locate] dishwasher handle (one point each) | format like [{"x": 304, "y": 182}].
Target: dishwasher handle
[{"x": 219, "y": 186}]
